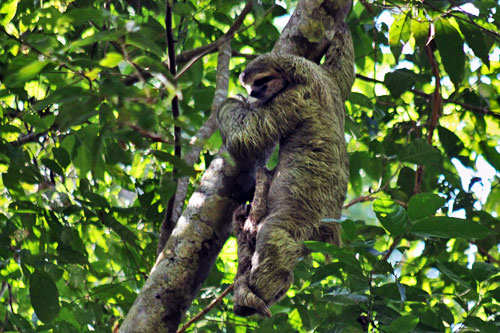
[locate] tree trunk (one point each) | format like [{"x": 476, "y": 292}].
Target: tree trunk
[{"x": 205, "y": 224}]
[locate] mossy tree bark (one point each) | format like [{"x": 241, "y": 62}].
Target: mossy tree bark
[{"x": 205, "y": 225}]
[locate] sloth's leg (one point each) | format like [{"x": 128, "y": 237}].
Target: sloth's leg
[
  {"x": 276, "y": 255},
  {"x": 245, "y": 301}
]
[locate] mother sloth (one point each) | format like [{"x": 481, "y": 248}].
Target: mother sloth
[{"x": 301, "y": 106}]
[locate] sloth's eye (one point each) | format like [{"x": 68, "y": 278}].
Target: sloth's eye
[{"x": 263, "y": 80}]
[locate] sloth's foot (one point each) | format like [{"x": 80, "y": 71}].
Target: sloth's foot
[{"x": 246, "y": 303}]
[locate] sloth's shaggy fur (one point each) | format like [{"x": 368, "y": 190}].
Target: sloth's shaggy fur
[{"x": 309, "y": 183}]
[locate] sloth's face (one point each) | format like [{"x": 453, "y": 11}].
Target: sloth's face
[{"x": 263, "y": 85}]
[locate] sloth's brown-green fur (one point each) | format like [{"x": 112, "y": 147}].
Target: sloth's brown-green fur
[{"x": 310, "y": 181}]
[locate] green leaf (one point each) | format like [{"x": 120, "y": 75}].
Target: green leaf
[
  {"x": 53, "y": 166},
  {"x": 83, "y": 160},
  {"x": 481, "y": 325},
  {"x": 423, "y": 205},
  {"x": 419, "y": 152},
  {"x": 7, "y": 11},
  {"x": 449, "y": 227},
  {"x": 83, "y": 16},
  {"x": 26, "y": 73},
  {"x": 482, "y": 271},
  {"x": 183, "y": 9},
  {"x": 360, "y": 99},
  {"x": 185, "y": 169},
  {"x": 403, "y": 324},
  {"x": 399, "y": 81},
  {"x": 451, "y": 49},
  {"x": 420, "y": 27},
  {"x": 145, "y": 39},
  {"x": 97, "y": 200},
  {"x": 491, "y": 154},
  {"x": 125, "y": 233},
  {"x": 344, "y": 256},
  {"x": 44, "y": 296},
  {"x": 41, "y": 124},
  {"x": 112, "y": 59},
  {"x": 325, "y": 271},
  {"x": 475, "y": 39},
  {"x": 62, "y": 157},
  {"x": 450, "y": 141},
  {"x": 392, "y": 216},
  {"x": 95, "y": 38},
  {"x": 457, "y": 273},
  {"x": 399, "y": 34}
]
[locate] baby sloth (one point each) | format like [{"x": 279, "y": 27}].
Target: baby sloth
[{"x": 300, "y": 106}]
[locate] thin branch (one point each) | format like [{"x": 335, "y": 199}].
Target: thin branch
[
  {"x": 486, "y": 254},
  {"x": 31, "y": 137},
  {"x": 3, "y": 289},
  {"x": 369, "y": 197},
  {"x": 391, "y": 248},
  {"x": 437, "y": 100},
  {"x": 22, "y": 42},
  {"x": 437, "y": 109},
  {"x": 363, "y": 198},
  {"x": 205, "y": 49},
  {"x": 121, "y": 48},
  {"x": 206, "y": 309},
  {"x": 150, "y": 135},
  {"x": 167, "y": 224},
  {"x": 495, "y": 35}
]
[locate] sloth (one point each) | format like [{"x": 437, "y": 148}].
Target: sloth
[{"x": 300, "y": 106}]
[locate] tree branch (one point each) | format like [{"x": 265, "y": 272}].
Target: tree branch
[
  {"x": 437, "y": 107},
  {"x": 150, "y": 135},
  {"x": 485, "y": 253},
  {"x": 31, "y": 137},
  {"x": 206, "y": 309},
  {"x": 168, "y": 222},
  {"x": 205, "y": 49}
]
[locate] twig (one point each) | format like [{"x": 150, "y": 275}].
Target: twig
[
  {"x": 24, "y": 42},
  {"x": 4, "y": 288},
  {"x": 363, "y": 198},
  {"x": 150, "y": 135},
  {"x": 205, "y": 49},
  {"x": 391, "y": 248},
  {"x": 206, "y": 309},
  {"x": 495, "y": 35},
  {"x": 31, "y": 137},
  {"x": 437, "y": 101},
  {"x": 486, "y": 254},
  {"x": 437, "y": 107}
]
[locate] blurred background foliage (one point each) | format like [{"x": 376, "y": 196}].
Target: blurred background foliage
[{"x": 86, "y": 160}]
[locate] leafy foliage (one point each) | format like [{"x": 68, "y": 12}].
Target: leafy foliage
[{"x": 86, "y": 157}]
